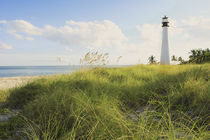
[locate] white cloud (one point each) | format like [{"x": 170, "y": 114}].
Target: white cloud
[
  {"x": 197, "y": 27},
  {"x": 23, "y": 26},
  {"x": 95, "y": 34},
  {"x": 197, "y": 21},
  {"x": 68, "y": 49},
  {"x": 22, "y": 30},
  {"x": 150, "y": 34},
  {"x": 21, "y": 37},
  {"x": 4, "y": 46},
  {"x": 3, "y": 22}
]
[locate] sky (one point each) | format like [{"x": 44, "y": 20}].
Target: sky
[{"x": 60, "y": 32}]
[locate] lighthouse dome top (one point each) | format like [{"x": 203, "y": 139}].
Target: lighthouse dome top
[{"x": 165, "y": 19}]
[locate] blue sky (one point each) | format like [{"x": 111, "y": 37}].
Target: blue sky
[{"x": 38, "y": 32}]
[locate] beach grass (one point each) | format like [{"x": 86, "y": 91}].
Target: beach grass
[
  {"x": 3, "y": 95},
  {"x": 138, "y": 102}
]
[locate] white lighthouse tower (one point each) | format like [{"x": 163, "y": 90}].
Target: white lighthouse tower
[{"x": 164, "y": 59}]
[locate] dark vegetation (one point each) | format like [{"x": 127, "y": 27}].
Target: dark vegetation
[{"x": 197, "y": 56}]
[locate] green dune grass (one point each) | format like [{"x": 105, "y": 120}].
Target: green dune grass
[{"x": 138, "y": 102}]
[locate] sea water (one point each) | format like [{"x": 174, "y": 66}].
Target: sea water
[{"x": 14, "y": 71}]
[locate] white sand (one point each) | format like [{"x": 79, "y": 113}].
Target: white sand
[{"x": 10, "y": 82}]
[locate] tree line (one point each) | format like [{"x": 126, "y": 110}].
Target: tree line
[{"x": 197, "y": 56}]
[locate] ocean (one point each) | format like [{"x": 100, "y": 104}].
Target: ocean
[{"x": 14, "y": 71}]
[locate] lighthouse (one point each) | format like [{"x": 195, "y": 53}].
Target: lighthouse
[{"x": 164, "y": 59}]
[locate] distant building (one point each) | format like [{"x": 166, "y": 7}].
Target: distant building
[{"x": 164, "y": 59}]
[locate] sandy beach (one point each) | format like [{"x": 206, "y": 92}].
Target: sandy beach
[{"x": 10, "y": 82}]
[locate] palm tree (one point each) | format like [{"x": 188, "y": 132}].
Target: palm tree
[
  {"x": 199, "y": 56},
  {"x": 207, "y": 55},
  {"x": 173, "y": 58},
  {"x": 192, "y": 56},
  {"x": 152, "y": 60},
  {"x": 181, "y": 60}
]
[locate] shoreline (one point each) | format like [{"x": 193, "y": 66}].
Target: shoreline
[
  {"x": 11, "y": 82},
  {"x": 15, "y": 81}
]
